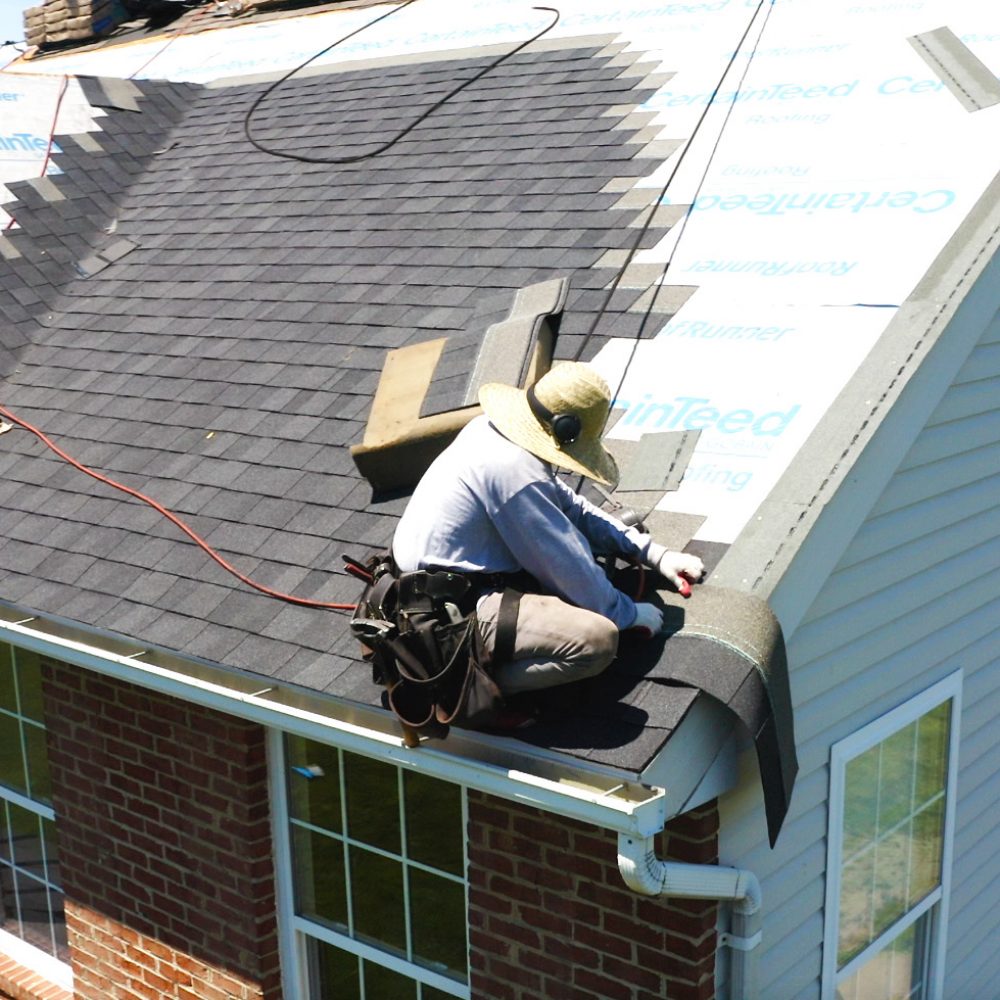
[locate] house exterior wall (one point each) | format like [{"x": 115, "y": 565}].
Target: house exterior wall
[
  {"x": 165, "y": 844},
  {"x": 551, "y": 919},
  {"x": 915, "y": 596}
]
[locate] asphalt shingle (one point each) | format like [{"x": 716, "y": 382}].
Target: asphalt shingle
[{"x": 227, "y": 350}]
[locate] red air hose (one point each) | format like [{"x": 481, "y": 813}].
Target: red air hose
[{"x": 200, "y": 542}]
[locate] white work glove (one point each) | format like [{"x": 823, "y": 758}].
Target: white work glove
[
  {"x": 681, "y": 569},
  {"x": 648, "y": 620}
]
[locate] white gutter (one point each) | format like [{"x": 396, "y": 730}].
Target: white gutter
[
  {"x": 647, "y": 874},
  {"x": 605, "y": 801}
]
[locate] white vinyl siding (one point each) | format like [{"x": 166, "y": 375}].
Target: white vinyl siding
[{"x": 915, "y": 596}]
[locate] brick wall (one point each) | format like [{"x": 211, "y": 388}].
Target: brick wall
[
  {"x": 551, "y": 919},
  {"x": 165, "y": 846}
]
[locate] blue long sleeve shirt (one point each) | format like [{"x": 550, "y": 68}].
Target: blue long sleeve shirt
[{"x": 486, "y": 505}]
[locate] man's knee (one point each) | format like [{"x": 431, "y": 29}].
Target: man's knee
[{"x": 599, "y": 645}]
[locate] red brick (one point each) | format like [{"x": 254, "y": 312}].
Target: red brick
[
  {"x": 485, "y": 943},
  {"x": 607, "y": 989},
  {"x": 545, "y": 876},
  {"x": 545, "y": 830},
  {"x": 520, "y": 892},
  {"x": 579, "y": 866},
  {"x": 604, "y": 943},
  {"x": 515, "y": 974},
  {"x": 597, "y": 845},
  {"x": 545, "y": 920},
  {"x": 508, "y": 930},
  {"x": 545, "y": 964},
  {"x": 572, "y": 952},
  {"x": 159, "y": 874},
  {"x": 649, "y": 934},
  {"x": 599, "y": 941},
  {"x": 633, "y": 973}
]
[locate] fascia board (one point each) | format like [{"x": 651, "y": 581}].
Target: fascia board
[
  {"x": 800, "y": 531},
  {"x": 700, "y": 760}
]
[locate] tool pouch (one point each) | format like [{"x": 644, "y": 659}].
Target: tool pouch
[{"x": 427, "y": 654}]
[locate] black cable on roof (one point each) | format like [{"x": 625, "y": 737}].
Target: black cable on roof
[
  {"x": 356, "y": 158},
  {"x": 663, "y": 192}
]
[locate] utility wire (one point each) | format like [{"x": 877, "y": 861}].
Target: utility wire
[
  {"x": 663, "y": 192},
  {"x": 658, "y": 284},
  {"x": 358, "y": 157}
]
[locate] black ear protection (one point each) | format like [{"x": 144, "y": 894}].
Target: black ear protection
[{"x": 564, "y": 427}]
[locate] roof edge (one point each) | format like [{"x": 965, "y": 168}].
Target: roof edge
[
  {"x": 799, "y": 532},
  {"x": 608, "y": 799},
  {"x": 546, "y": 44}
]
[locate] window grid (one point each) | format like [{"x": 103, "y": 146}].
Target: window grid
[
  {"x": 888, "y": 936},
  {"x": 926, "y": 918},
  {"x": 428, "y": 983},
  {"x": 35, "y": 796},
  {"x": 40, "y": 926},
  {"x": 349, "y": 841}
]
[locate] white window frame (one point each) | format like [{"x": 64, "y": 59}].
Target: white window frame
[
  {"x": 50, "y": 968},
  {"x": 295, "y": 931},
  {"x": 936, "y": 903}
]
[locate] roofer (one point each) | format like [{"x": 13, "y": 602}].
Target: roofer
[{"x": 491, "y": 503}]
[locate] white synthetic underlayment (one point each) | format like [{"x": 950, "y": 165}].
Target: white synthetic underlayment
[{"x": 820, "y": 195}]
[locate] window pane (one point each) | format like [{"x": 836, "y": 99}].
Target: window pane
[
  {"x": 896, "y": 771},
  {"x": 29, "y": 684},
  {"x": 385, "y": 888},
  {"x": 319, "y": 870},
  {"x": 889, "y": 890},
  {"x": 30, "y": 905},
  {"x": 377, "y": 899},
  {"x": 874, "y": 977},
  {"x": 897, "y": 972},
  {"x": 434, "y": 834},
  {"x": 36, "y": 918},
  {"x": 8, "y": 902},
  {"x": 932, "y": 763},
  {"x": 925, "y": 851},
  {"x": 26, "y": 840},
  {"x": 314, "y": 783},
  {"x": 59, "y": 926},
  {"x": 861, "y": 802},
  {"x": 6, "y": 845},
  {"x": 8, "y": 700},
  {"x": 39, "y": 781},
  {"x": 11, "y": 759},
  {"x": 384, "y": 984},
  {"x": 51, "y": 851},
  {"x": 372, "y": 802},
  {"x": 856, "y": 907},
  {"x": 333, "y": 972},
  {"x": 437, "y": 908}
]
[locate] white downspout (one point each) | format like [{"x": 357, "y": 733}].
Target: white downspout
[{"x": 644, "y": 872}]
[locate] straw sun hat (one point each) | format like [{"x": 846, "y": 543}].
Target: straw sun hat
[{"x": 540, "y": 424}]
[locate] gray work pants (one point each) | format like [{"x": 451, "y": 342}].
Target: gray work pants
[{"x": 555, "y": 642}]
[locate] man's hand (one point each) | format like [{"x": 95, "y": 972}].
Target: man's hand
[
  {"x": 648, "y": 620},
  {"x": 681, "y": 569}
]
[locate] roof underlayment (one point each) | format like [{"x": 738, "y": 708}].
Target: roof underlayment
[{"x": 209, "y": 322}]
